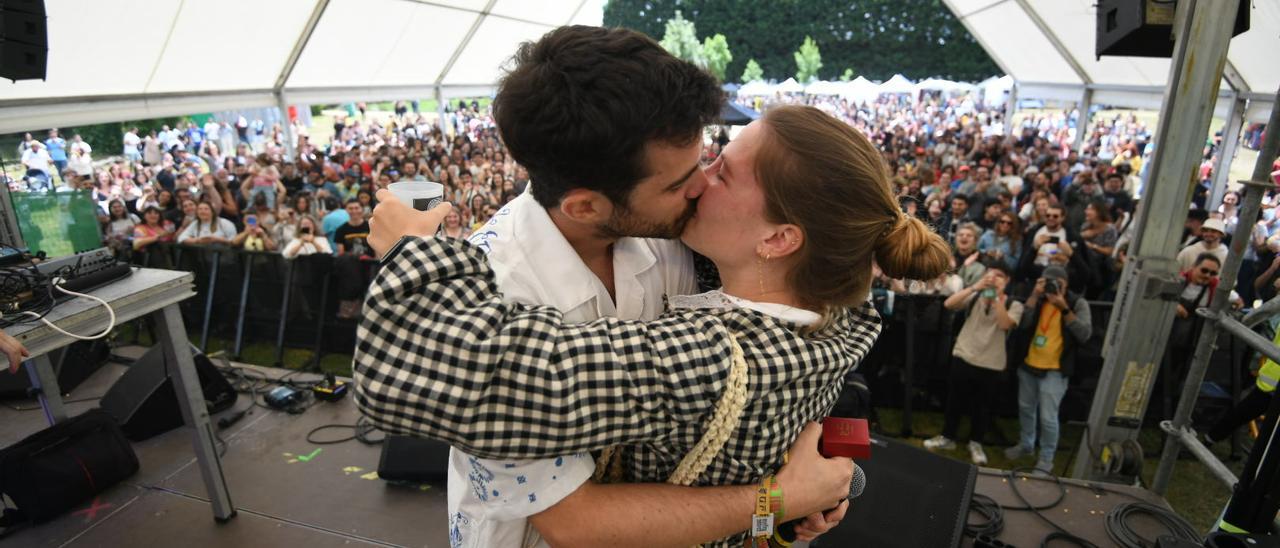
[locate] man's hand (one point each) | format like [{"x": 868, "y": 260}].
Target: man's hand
[
  {"x": 13, "y": 348},
  {"x": 392, "y": 219},
  {"x": 1039, "y": 289},
  {"x": 1182, "y": 312},
  {"x": 811, "y": 482}
]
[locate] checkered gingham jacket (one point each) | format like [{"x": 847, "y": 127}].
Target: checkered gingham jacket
[{"x": 440, "y": 355}]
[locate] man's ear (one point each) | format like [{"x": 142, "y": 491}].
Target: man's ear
[
  {"x": 586, "y": 206},
  {"x": 784, "y": 240}
]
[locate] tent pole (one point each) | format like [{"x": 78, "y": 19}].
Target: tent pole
[
  {"x": 1149, "y": 286},
  {"x": 1011, "y": 108},
  {"x": 1226, "y": 152},
  {"x": 290, "y": 138},
  {"x": 440, "y": 119},
  {"x": 1082, "y": 121}
]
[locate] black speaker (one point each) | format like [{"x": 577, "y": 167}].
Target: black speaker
[
  {"x": 143, "y": 400},
  {"x": 24, "y": 39},
  {"x": 413, "y": 459},
  {"x": 913, "y": 498},
  {"x": 1144, "y": 28}
]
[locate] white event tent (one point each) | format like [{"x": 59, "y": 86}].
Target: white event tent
[
  {"x": 113, "y": 60},
  {"x": 1047, "y": 46}
]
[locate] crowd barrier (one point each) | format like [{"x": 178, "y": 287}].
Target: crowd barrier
[
  {"x": 260, "y": 297},
  {"x": 909, "y": 366}
]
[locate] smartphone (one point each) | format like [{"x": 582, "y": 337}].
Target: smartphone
[
  {"x": 1053, "y": 239},
  {"x": 305, "y": 230},
  {"x": 251, "y": 221}
]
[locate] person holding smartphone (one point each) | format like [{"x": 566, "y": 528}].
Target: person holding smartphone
[
  {"x": 306, "y": 242},
  {"x": 978, "y": 357},
  {"x": 253, "y": 237}
]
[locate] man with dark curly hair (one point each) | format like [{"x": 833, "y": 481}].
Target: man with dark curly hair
[{"x": 609, "y": 126}]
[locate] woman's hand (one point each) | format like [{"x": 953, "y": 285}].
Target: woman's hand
[{"x": 392, "y": 219}]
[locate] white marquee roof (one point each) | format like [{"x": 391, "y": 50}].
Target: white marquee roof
[
  {"x": 1048, "y": 47},
  {"x": 131, "y": 59}
]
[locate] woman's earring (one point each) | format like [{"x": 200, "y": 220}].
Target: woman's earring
[{"x": 760, "y": 270}]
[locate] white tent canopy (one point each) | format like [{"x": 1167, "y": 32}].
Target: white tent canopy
[
  {"x": 179, "y": 57},
  {"x": 823, "y": 87},
  {"x": 994, "y": 89},
  {"x": 790, "y": 85},
  {"x": 1047, "y": 46},
  {"x": 755, "y": 87},
  {"x": 860, "y": 89},
  {"x": 938, "y": 84},
  {"x": 898, "y": 84}
]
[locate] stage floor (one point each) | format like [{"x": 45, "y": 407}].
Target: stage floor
[
  {"x": 289, "y": 492},
  {"x": 1082, "y": 512}
]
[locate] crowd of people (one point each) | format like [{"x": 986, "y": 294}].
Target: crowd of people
[
  {"x": 1030, "y": 218},
  {"x": 1037, "y": 229},
  {"x": 232, "y": 185}
]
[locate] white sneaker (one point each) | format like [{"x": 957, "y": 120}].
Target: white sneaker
[
  {"x": 939, "y": 442},
  {"x": 976, "y": 454}
]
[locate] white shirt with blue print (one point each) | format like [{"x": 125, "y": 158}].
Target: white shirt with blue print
[{"x": 490, "y": 500}]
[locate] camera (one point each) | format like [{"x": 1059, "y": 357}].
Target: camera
[{"x": 1051, "y": 286}]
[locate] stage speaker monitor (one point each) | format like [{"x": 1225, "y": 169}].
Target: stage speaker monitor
[
  {"x": 143, "y": 400},
  {"x": 1144, "y": 28},
  {"x": 415, "y": 460},
  {"x": 24, "y": 40},
  {"x": 913, "y": 498}
]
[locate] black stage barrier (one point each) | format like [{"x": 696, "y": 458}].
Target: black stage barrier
[
  {"x": 255, "y": 297},
  {"x": 909, "y": 365}
]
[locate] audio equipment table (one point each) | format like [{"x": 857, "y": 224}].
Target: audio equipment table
[{"x": 147, "y": 291}]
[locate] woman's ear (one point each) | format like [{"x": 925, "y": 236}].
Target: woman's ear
[{"x": 785, "y": 240}]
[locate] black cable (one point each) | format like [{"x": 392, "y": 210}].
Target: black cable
[
  {"x": 1061, "y": 534},
  {"x": 1118, "y": 529},
  {"x": 361, "y": 430},
  {"x": 991, "y": 511}
]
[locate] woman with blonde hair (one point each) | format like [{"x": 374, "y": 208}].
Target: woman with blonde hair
[{"x": 794, "y": 213}]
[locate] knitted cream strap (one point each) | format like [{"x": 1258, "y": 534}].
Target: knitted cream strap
[
  {"x": 723, "y": 422},
  {"x": 602, "y": 464}
]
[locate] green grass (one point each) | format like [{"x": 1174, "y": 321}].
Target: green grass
[
  {"x": 260, "y": 354},
  {"x": 1194, "y": 493}
]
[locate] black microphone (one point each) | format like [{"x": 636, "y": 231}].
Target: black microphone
[{"x": 786, "y": 533}]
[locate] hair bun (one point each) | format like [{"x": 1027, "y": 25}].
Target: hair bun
[{"x": 909, "y": 249}]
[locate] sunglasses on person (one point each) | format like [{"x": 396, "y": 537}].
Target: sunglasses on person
[
  {"x": 1004, "y": 222},
  {"x": 1208, "y": 271},
  {"x": 1052, "y": 216}
]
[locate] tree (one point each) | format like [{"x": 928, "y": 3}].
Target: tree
[
  {"x": 848, "y": 75},
  {"x": 681, "y": 40},
  {"x": 752, "y": 72},
  {"x": 808, "y": 61},
  {"x": 715, "y": 49},
  {"x": 919, "y": 38}
]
